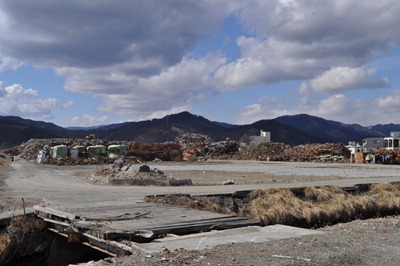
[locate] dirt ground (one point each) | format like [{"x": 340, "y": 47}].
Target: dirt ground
[{"x": 360, "y": 242}]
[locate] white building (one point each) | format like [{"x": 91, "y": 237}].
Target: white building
[
  {"x": 265, "y": 136},
  {"x": 392, "y": 142},
  {"x": 370, "y": 144}
]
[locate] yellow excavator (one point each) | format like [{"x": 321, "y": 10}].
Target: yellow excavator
[{"x": 91, "y": 136}]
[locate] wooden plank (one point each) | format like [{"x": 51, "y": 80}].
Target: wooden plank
[
  {"x": 126, "y": 231},
  {"x": 89, "y": 211},
  {"x": 181, "y": 229},
  {"x": 49, "y": 212}
]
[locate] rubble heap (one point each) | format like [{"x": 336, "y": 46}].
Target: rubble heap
[
  {"x": 29, "y": 150},
  {"x": 126, "y": 173},
  {"x": 268, "y": 151},
  {"x": 190, "y": 141},
  {"x": 192, "y": 147},
  {"x": 151, "y": 152},
  {"x": 272, "y": 151},
  {"x": 223, "y": 149},
  {"x": 328, "y": 152}
]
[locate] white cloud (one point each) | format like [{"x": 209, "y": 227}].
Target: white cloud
[
  {"x": 302, "y": 39},
  {"x": 336, "y": 105},
  {"x": 16, "y": 100},
  {"x": 174, "y": 110},
  {"x": 390, "y": 103},
  {"x": 384, "y": 109},
  {"x": 173, "y": 89},
  {"x": 340, "y": 79},
  {"x": 85, "y": 120},
  {"x": 267, "y": 108},
  {"x": 7, "y": 63},
  {"x": 135, "y": 55}
]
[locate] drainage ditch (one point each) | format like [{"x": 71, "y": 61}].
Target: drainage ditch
[
  {"x": 26, "y": 240},
  {"x": 60, "y": 252}
]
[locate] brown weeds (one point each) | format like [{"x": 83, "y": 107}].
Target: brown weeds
[
  {"x": 306, "y": 207},
  {"x": 18, "y": 231},
  {"x": 323, "y": 205}
]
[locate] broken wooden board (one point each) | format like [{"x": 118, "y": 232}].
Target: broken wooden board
[{"x": 140, "y": 219}]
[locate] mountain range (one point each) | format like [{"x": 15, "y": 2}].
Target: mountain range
[{"x": 292, "y": 130}]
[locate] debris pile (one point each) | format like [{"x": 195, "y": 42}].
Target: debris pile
[
  {"x": 30, "y": 150},
  {"x": 268, "y": 151},
  {"x": 328, "y": 152},
  {"x": 273, "y": 151},
  {"x": 382, "y": 156},
  {"x": 151, "y": 152},
  {"x": 223, "y": 149},
  {"x": 125, "y": 173},
  {"x": 190, "y": 141},
  {"x": 201, "y": 147},
  {"x": 191, "y": 147}
]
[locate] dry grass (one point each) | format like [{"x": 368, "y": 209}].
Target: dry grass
[
  {"x": 16, "y": 233},
  {"x": 197, "y": 202},
  {"x": 323, "y": 205},
  {"x": 306, "y": 207},
  {"x": 4, "y": 163}
]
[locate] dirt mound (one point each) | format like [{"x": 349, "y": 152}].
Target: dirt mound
[{"x": 121, "y": 173}]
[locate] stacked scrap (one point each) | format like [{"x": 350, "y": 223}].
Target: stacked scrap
[
  {"x": 268, "y": 151},
  {"x": 328, "y": 152},
  {"x": 193, "y": 146},
  {"x": 151, "y": 152},
  {"x": 30, "y": 149},
  {"x": 190, "y": 141},
  {"x": 271, "y": 151}
]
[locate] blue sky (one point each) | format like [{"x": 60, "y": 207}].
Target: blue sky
[{"x": 88, "y": 63}]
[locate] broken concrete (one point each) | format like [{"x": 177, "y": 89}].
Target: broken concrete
[{"x": 251, "y": 234}]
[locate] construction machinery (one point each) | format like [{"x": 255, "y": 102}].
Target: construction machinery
[{"x": 91, "y": 136}]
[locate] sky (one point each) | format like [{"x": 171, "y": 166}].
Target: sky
[{"x": 97, "y": 62}]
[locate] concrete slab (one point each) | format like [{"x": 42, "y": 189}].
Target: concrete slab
[{"x": 251, "y": 234}]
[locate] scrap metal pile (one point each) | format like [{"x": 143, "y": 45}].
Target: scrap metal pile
[
  {"x": 273, "y": 151},
  {"x": 29, "y": 150},
  {"x": 328, "y": 152},
  {"x": 151, "y": 152}
]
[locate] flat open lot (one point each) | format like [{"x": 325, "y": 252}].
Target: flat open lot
[
  {"x": 367, "y": 242},
  {"x": 60, "y": 185}
]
